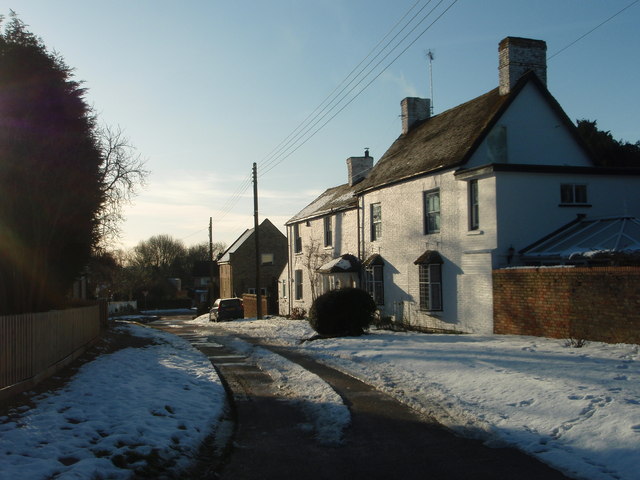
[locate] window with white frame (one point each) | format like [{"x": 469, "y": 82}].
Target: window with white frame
[
  {"x": 375, "y": 283},
  {"x": 328, "y": 232},
  {"x": 432, "y": 211},
  {"x": 298, "y": 284},
  {"x": 266, "y": 258},
  {"x": 297, "y": 240},
  {"x": 573, "y": 194},
  {"x": 376, "y": 221},
  {"x": 474, "y": 206},
  {"x": 430, "y": 281}
]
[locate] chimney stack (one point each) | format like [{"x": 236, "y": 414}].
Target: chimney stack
[
  {"x": 414, "y": 110},
  {"x": 359, "y": 167},
  {"x": 516, "y": 57}
]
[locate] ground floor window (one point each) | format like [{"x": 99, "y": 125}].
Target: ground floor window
[
  {"x": 430, "y": 286},
  {"x": 374, "y": 283},
  {"x": 298, "y": 284}
]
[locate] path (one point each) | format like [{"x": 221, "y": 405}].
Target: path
[{"x": 386, "y": 439}]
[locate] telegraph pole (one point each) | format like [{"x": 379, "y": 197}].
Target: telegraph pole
[
  {"x": 211, "y": 299},
  {"x": 256, "y": 233}
]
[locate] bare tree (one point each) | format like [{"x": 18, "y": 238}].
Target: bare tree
[
  {"x": 160, "y": 255},
  {"x": 313, "y": 257},
  {"x": 122, "y": 174}
]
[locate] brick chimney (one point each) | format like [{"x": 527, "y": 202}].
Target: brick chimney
[
  {"x": 359, "y": 167},
  {"x": 414, "y": 110},
  {"x": 516, "y": 57}
]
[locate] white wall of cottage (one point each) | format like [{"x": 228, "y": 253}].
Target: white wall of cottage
[
  {"x": 529, "y": 204},
  {"x": 535, "y": 135},
  {"x": 466, "y": 272},
  {"x": 345, "y": 240}
]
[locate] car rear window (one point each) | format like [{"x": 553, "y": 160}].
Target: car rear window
[{"x": 230, "y": 303}]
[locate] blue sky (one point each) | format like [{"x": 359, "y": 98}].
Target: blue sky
[{"x": 205, "y": 88}]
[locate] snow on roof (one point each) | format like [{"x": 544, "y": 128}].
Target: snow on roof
[
  {"x": 589, "y": 237},
  {"x": 332, "y": 199}
]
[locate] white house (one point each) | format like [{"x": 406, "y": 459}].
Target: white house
[
  {"x": 319, "y": 236},
  {"x": 461, "y": 193}
]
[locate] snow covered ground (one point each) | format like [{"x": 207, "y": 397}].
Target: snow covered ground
[
  {"x": 577, "y": 409},
  {"x": 159, "y": 401}
]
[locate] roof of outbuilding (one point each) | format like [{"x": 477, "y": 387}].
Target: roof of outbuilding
[{"x": 333, "y": 199}]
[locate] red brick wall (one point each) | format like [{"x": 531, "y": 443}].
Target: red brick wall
[{"x": 593, "y": 303}]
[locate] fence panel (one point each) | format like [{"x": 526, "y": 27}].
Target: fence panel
[{"x": 33, "y": 342}]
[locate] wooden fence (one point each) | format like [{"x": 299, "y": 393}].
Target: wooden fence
[{"x": 34, "y": 345}]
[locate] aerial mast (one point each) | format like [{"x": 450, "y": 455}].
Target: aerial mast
[{"x": 430, "y": 57}]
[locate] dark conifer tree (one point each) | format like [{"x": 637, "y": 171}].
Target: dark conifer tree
[
  {"x": 609, "y": 152},
  {"x": 49, "y": 174}
]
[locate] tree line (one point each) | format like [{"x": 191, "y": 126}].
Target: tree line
[{"x": 126, "y": 274}]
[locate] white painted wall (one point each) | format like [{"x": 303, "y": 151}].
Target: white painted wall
[
  {"x": 535, "y": 135},
  {"x": 403, "y": 241},
  {"x": 529, "y": 204},
  {"x": 516, "y": 209},
  {"x": 345, "y": 240}
]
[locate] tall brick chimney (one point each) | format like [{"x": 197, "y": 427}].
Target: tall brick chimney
[
  {"x": 414, "y": 110},
  {"x": 359, "y": 167},
  {"x": 516, "y": 57}
]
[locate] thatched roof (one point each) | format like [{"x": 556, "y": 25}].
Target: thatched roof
[{"x": 442, "y": 141}]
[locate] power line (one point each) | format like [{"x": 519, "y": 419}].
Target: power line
[
  {"x": 593, "y": 29},
  {"x": 309, "y": 122},
  {"x": 336, "y": 101},
  {"x": 364, "y": 88},
  {"x": 279, "y": 154},
  {"x": 320, "y": 108}
]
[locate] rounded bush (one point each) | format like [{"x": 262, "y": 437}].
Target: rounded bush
[{"x": 347, "y": 311}]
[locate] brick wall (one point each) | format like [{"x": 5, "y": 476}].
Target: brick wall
[{"x": 598, "y": 303}]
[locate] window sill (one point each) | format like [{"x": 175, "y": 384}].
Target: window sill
[
  {"x": 575, "y": 205},
  {"x": 475, "y": 232}
]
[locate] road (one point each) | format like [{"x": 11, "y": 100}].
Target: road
[{"x": 386, "y": 439}]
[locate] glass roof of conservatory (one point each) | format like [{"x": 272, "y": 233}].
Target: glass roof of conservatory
[{"x": 588, "y": 237}]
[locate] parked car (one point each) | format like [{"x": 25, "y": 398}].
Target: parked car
[{"x": 226, "y": 309}]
